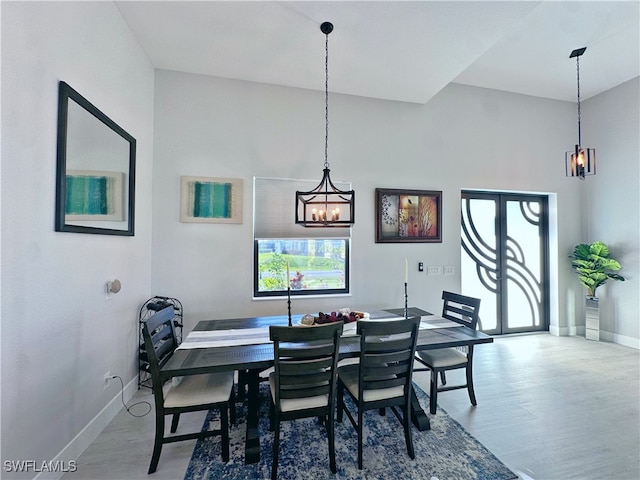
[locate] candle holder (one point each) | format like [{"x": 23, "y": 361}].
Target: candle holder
[
  {"x": 406, "y": 308},
  {"x": 289, "y": 304}
]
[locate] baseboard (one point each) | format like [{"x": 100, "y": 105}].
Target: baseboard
[
  {"x": 605, "y": 336},
  {"x": 620, "y": 339},
  {"x": 579, "y": 331},
  {"x": 72, "y": 451},
  {"x": 565, "y": 331}
]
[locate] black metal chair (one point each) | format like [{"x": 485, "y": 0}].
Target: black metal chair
[
  {"x": 460, "y": 309},
  {"x": 192, "y": 393},
  {"x": 383, "y": 377},
  {"x": 303, "y": 383}
]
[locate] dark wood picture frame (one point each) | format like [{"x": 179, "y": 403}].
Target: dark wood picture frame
[{"x": 408, "y": 216}]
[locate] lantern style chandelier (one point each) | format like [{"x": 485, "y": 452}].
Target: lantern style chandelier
[
  {"x": 326, "y": 205},
  {"x": 579, "y": 161}
]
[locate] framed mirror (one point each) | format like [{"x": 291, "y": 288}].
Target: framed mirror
[{"x": 95, "y": 179}]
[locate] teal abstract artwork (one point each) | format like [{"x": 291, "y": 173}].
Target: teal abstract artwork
[
  {"x": 86, "y": 195},
  {"x": 94, "y": 195},
  {"x": 211, "y": 200}
]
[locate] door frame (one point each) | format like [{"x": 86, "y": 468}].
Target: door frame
[{"x": 500, "y": 228}]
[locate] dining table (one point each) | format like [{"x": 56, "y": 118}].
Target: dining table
[{"x": 243, "y": 345}]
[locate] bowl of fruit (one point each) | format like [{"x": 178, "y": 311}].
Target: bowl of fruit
[{"x": 343, "y": 315}]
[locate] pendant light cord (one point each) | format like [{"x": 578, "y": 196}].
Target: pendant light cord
[{"x": 326, "y": 101}]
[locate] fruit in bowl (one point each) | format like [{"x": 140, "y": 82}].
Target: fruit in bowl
[{"x": 344, "y": 315}]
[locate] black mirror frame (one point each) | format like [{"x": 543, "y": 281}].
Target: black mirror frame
[{"x": 65, "y": 92}]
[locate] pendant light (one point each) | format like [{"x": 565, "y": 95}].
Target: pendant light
[
  {"x": 579, "y": 161},
  {"x": 326, "y": 205}
]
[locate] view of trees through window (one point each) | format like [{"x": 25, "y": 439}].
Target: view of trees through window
[{"x": 315, "y": 266}]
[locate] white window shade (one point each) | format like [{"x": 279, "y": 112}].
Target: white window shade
[{"x": 274, "y": 216}]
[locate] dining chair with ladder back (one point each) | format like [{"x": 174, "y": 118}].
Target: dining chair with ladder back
[
  {"x": 191, "y": 393},
  {"x": 463, "y": 310},
  {"x": 303, "y": 383},
  {"x": 383, "y": 376}
]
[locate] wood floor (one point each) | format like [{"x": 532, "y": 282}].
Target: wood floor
[{"x": 548, "y": 407}]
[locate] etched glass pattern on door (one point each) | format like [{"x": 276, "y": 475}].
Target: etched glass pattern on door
[{"x": 504, "y": 260}]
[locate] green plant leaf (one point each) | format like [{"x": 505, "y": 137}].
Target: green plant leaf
[
  {"x": 581, "y": 252},
  {"x": 610, "y": 264},
  {"x": 599, "y": 249}
]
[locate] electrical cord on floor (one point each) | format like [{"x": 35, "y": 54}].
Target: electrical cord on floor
[{"x": 128, "y": 409}]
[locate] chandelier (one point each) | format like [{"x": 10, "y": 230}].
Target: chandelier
[
  {"x": 326, "y": 205},
  {"x": 579, "y": 161}
]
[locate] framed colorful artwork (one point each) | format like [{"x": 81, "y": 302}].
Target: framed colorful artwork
[
  {"x": 94, "y": 195},
  {"x": 210, "y": 200},
  {"x": 408, "y": 216}
]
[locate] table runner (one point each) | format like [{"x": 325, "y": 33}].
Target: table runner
[
  {"x": 226, "y": 338},
  {"x": 256, "y": 336}
]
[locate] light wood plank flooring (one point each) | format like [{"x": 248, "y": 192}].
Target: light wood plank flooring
[{"x": 548, "y": 407}]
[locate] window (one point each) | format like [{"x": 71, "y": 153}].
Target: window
[
  {"x": 318, "y": 257},
  {"x": 317, "y": 266}
]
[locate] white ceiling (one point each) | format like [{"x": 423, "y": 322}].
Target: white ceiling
[{"x": 397, "y": 50}]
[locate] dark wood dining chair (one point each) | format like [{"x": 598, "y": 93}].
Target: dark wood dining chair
[
  {"x": 191, "y": 393},
  {"x": 303, "y": 383},
  {"x": 463, "y": 310},
  {"x": 383, "y": 376}
]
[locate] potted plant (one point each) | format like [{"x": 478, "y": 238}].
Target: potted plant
[{"x": 594, "y": 267}]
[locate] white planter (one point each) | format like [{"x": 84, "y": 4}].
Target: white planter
[{"x": 592, "y": 318}]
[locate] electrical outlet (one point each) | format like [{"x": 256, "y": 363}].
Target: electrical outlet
[
  {"x": 107, "y": 379},
  {"x": 434, "y": 270},
  {"x": 449, "y": 270}
]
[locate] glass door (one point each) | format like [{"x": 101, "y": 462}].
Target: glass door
[{"x": 504, "y": 260}]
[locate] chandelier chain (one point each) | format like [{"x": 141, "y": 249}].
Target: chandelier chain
[
  {"x": 578, "y": 81},
  {"x": 326, "y": 101}
]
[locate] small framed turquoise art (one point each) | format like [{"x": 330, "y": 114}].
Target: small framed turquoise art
[
  {"x": 211, "y": 200},
  {"x": 94, "y": 195}
]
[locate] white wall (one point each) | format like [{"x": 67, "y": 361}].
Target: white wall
[
  {"x": 612, "y": 199},
  {"x": 465, "y": 137},
  {"x": 59, "y": 333}
]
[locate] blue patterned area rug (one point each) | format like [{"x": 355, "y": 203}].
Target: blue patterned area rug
[{"x": 447, "y": 451}]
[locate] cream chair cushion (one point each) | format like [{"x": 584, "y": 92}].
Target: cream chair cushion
[
  {"x": 291, "y": 404},
  {"x": 349, "y": 375},
  {"x": 445, "y": 357},
  {"x": 200, "y": 389}
]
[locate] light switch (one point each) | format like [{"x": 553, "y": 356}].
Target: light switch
[{"x": 434, "y": 270}]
